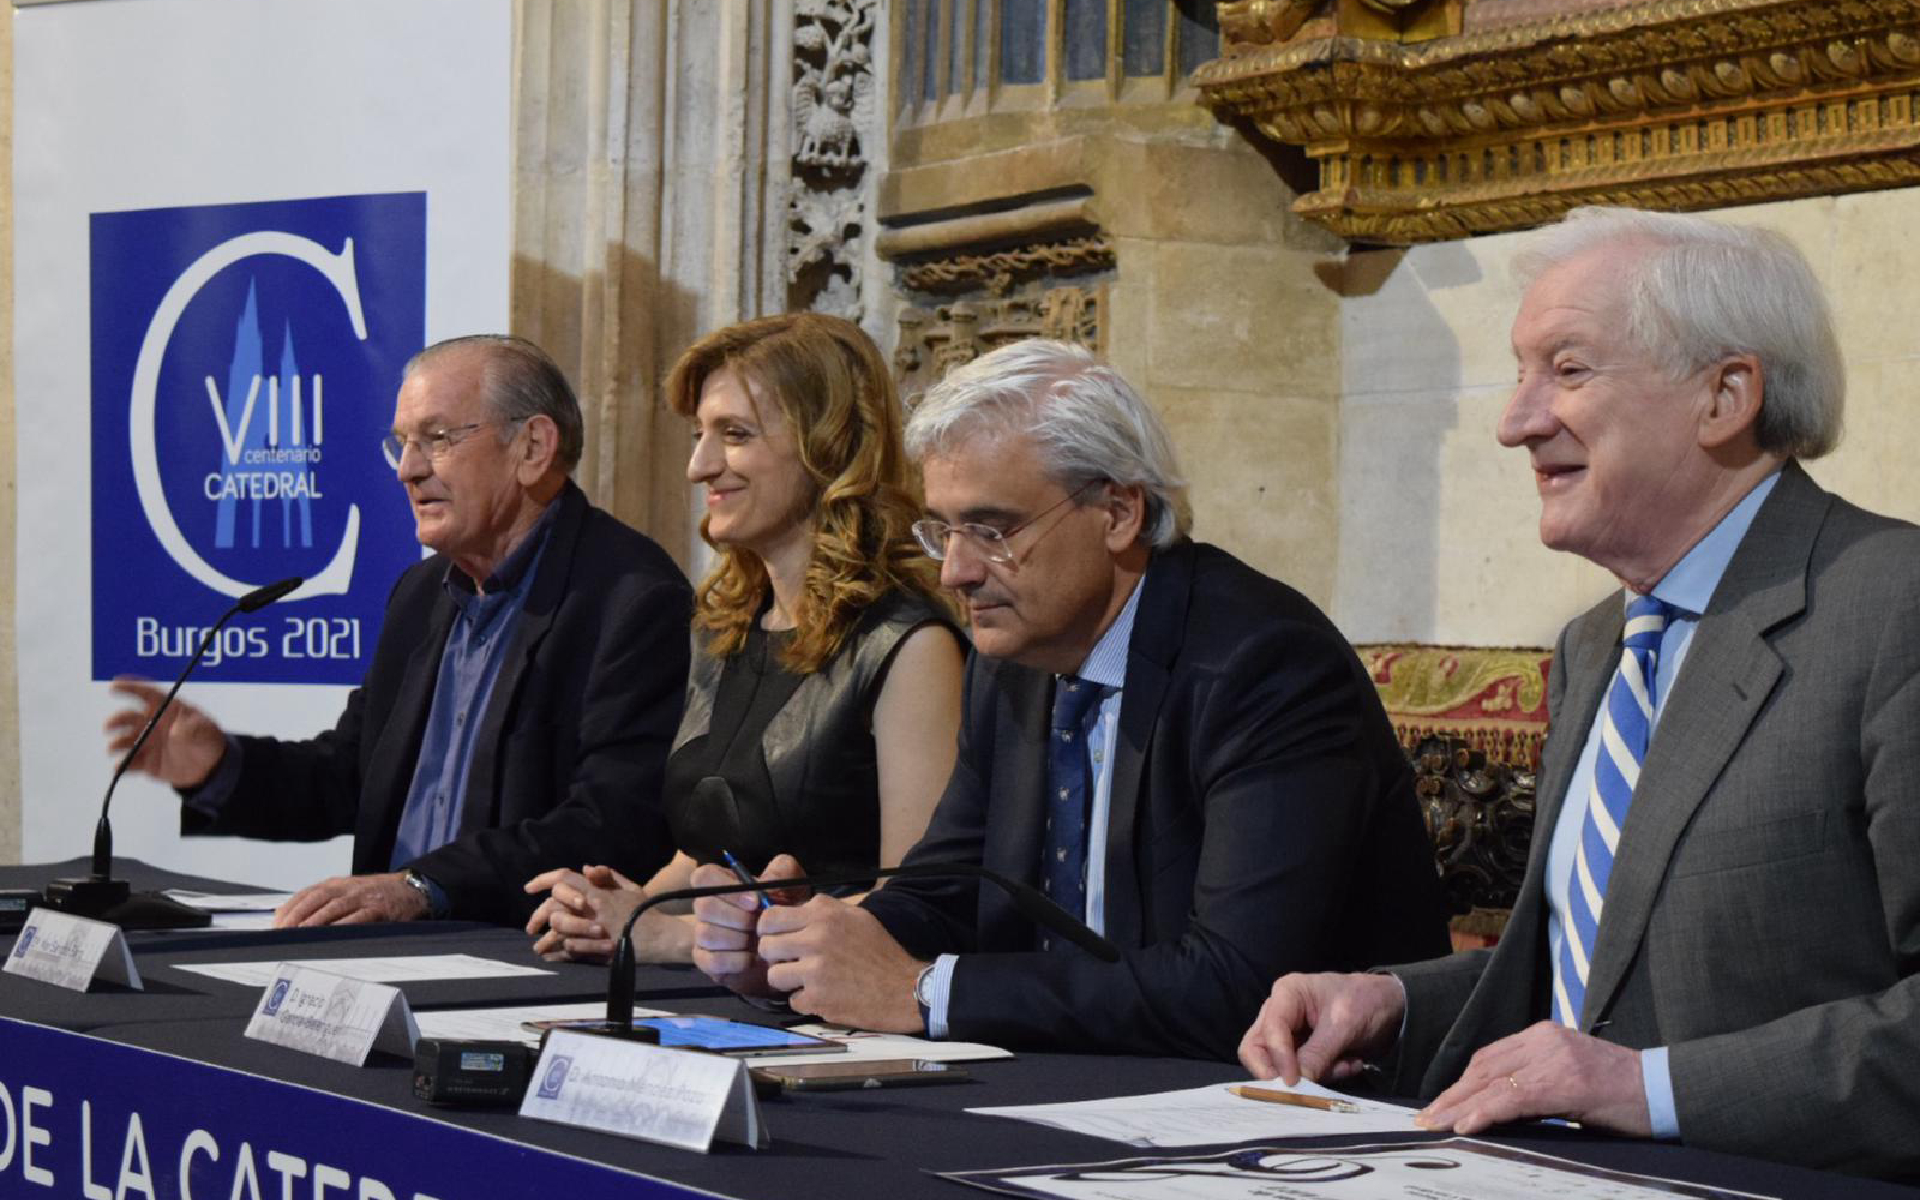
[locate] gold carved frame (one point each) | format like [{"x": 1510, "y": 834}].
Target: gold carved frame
[{"x": 1668, "y": 104}]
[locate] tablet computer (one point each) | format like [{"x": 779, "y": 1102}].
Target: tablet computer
[{"x": 715, "y": 1035}]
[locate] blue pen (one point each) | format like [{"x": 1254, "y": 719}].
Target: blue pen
[{"x": 746, "y": 877}]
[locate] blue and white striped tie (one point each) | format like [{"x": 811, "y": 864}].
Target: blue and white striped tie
[{"x": 1626, "y": 725}]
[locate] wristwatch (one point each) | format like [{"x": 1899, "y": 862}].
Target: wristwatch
[
  {"x": 418, "y": 883},
  {"x": 922, "y": 984}
]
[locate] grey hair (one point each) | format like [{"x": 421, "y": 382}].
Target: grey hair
[
  {"x": 1706, "y": 290},
  {"x": 1086, "y": 421},
  {"x": 522, "y": 381}
]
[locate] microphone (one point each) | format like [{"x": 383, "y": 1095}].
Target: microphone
[
  {"x": 100, "y": 895},
  {"x": 259, "y": 598},
  {"x": 1031, "y": 903}
]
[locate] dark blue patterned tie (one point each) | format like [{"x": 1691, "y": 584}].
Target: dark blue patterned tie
[{"x": 1069, "y": 795}]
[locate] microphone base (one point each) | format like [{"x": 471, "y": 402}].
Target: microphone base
[
  {"x": 115, "y": 902},
  {"x": 89, "y": 896}
]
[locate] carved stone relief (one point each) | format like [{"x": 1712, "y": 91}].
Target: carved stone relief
[
  {"x": 936, "y": 338},
  {"x": 1009, "y": 271},
  {"x": 997, "y": 271},
  {"x": 835, "y": 127}
]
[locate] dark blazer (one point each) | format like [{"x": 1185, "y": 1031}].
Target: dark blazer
[
  {"x": 567, "y": 764},
  {"x": 1763, "y": 918},
  {"x": 1262, "y": 821}
]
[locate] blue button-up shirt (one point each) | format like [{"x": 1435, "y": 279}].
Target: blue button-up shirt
[
  {"x": 1688, "y": 587},
  {"x": 1105, "y": 665},
  {"x": 476, "y": 649}
]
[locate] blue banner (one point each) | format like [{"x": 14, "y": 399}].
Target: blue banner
[
  {"x": 88, "y": 1118},
  {"x": 245, "y": 360}
]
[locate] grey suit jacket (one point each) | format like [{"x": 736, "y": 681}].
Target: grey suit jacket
[{"x": 1763, "y": 918}]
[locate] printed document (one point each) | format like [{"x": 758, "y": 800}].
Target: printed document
[
  {"x": 1443, "y": 1169},
  {"x": 1210, "y": 1116},
  {"x": 420, "y": 968}
]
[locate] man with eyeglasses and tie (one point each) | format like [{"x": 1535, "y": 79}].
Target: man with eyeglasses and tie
[
  {"x": 1173, "y": 747},
  {"x": 523, "y": 692},
  {"x": 1719, "y": 931}
]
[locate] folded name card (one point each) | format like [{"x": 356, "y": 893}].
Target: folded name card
[
  {"x": 317, "y": 1012},
  {"x": 69, "y": 951},
  {"x": 674, "y": 1097}
]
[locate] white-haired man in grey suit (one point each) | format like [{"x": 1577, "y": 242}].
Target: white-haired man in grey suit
[{"x": 1719, "y": 931}]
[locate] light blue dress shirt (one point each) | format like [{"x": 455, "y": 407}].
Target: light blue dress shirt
[
  {"x": 1688, "y": 587},
  {"x": 1107, "y": 666}
]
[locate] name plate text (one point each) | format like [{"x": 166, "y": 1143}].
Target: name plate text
[
  {"x": 675, "y": 1097},
  {"x": 70, "y": 952},
  {"x": 317, "y": 1012}
]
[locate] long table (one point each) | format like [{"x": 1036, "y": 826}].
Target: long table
[{"x": 117, "y": 1092}]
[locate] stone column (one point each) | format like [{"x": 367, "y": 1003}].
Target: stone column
[{"x": 651, "y": 150}]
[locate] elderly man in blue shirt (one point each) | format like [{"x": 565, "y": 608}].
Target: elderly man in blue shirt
[{"x": 523, "y": 692}]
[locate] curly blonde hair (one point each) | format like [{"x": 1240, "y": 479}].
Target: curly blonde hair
[{"x": 833, "y": 387}]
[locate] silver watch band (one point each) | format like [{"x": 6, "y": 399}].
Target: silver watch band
[
  {"x": 920, "y": 995},
  {"x": 418, "y": 883}
]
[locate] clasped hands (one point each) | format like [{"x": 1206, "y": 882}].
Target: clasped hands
[
  {"x": 828, "y": 958},
  {"x": 1545, "y": 1070}
]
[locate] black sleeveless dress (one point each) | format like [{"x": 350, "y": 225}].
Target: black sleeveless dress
[{"x": 796, "y": 752}]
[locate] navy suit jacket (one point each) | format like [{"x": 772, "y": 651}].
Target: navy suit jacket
[
  {"x": 568, "y": 761},
  {"x": 1262, "y": 821}
]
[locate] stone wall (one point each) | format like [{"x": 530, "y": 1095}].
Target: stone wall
[
  {"x": 1222, "y": 315},
  {"x": 9, "y": 689},
  {"x": 1437, "y": 529},
  {"x": 1172, "y": 229},
  {"x": 1216, "y": 306}
]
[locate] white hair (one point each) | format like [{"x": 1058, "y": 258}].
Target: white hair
[
  {"x": 1706, "y": 290},
  {"x": 1086, "y": 421}
]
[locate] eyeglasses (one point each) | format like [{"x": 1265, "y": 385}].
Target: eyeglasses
[
  {"x": 933, "y": 534},
  {"x": 435, "y": 445}
]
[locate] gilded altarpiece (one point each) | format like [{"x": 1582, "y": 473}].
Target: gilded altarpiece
[{"x": 1433, "y": 119}]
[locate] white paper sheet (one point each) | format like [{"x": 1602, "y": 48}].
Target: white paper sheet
[
  {"x": 251, "y": 922},
  {"x": 211, "y": 902},
  {"x": 863, "y": 1046},
  {"x": 402, "y": 969},
  {"x": 1209, "y": 1116}
]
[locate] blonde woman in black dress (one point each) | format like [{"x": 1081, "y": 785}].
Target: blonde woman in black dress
[{"x": 824, "y": 696}]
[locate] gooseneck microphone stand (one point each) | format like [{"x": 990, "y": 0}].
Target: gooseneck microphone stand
[{"x": 99, "y": 895}]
